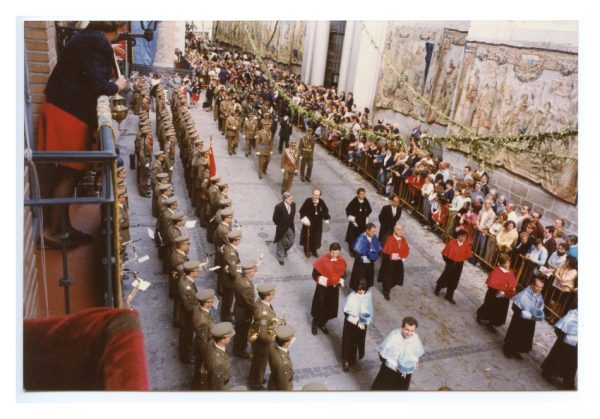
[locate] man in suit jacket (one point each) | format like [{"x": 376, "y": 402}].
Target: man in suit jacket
[
  {"x": 283, "y": 217},
  {"x": 388, "y": 217}
]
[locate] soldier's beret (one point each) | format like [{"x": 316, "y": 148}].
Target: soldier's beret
[
  {"x": 160, "y": 153},
  {"x": 182, "y": 239},
  {"x": 221, "y": 330},
  {"x": 234, "y": 234},
  {"x": 162, "y": 175},
  {"x": 171, "y": 200},
  {"x": 266, "y": 288},
  {"x": 192, "y": 265},
  {"x": 248, "y": 265},
  {"x": 284, "y": 332},
  {"x": 224, "y": 202},
  {"x": 226, "y": 213},
  {"x": 205, "y": 294},
  {"x": 177, "y": 215},
  {"x": 164, "y": 186},
  {"x": 314, "y": 387},
  {"x": 215, "y": 178}
]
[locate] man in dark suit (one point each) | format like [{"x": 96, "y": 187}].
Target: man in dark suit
[
  {"x": 283, "y": 217},
  {"x": 357, "y": 211},
  {"x": 388, "y": 217}
]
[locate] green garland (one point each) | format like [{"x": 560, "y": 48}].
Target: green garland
[{"x": 483, "y": 148}]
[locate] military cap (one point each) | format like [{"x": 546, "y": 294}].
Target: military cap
[
  {"x": 221, "y": 330},
  {"x": 165, "y": 186},
  {"x": 221, "y": 184},
  {"x": 192, "y": 265},
  {"x": 205, "y": 294},
  {"x": 184, "y": 238},
  {"x": 120, "y": 181},
  {"x": 160, "y": 153},
  {"x": 177, "y": 215},
  {"x": 170, "y": 131},
  {"x": 226, "y": 213},
  {"x": 215, "y": 179},
  {"x": 146, "y": 129},
  {"x": 224, "y": 202},
  {"x": 120, "y": 168},
  {"x": 123, "y": 194},
  {"x": 171, "y": 200},
  {"x": 248, "y": 265},
  {"x": 284, "y": 332},
  {"x": 314, "y": 387},
  {"x": 234, "y": 234},
  {"x": 162, "y": 175},
  {"x": 266, "y": 288}
]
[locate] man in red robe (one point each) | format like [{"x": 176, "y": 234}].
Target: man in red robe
[
  {"x": 328, "y": 272},
  {"x": 455, "y": 253},
  {"x": 395, "y": 252}
]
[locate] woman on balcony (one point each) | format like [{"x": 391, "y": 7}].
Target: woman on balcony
[{"x": 68, "y": 118}]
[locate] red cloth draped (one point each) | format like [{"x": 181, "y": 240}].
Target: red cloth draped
[
  {"x": 457, "y": 253},
  {"x": 502, "y": 281},
  {"x": 333, "y": 271},
  {"x": 60, "y": 131},
  {"x": 392, "y": 245},
  {"x": 212, "y": 167},
  {"x": 94, "y": 349}
]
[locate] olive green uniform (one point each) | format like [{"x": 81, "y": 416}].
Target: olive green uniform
[
  {"x": 217, "y": 368},
  {"x": 203, "y": 322},
  {"x": 231, "y": 260},
  {"x": 243, "y": 311},
  {"x": 189, "y": 306},
  {"x": 282, "y": 371},
  {"x": 263, "y": 314}
]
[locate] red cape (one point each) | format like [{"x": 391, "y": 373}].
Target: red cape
[
  {"x": 333, "y": 271},
  {"x": 392, "y": 245},
  {"x": 457, "y": 253},
  {"x": 502, "y": 281}
]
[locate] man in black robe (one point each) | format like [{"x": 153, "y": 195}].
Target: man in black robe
[
  {"x": 388, "y": 218},
  {"x": 357, "y": 211},
  {"x": 312, "y": 214}
]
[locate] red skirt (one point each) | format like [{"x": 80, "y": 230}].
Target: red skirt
[{"x": 60, "y": 131}]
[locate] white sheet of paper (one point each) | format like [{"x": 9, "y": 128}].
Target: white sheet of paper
[
  {"x": 214, "y": 268},
  {"x": 151, "y": 233},
  {"x": 143, "y": 259},
  {"x": 190, "y": 224},
  {"x": 143, "y": 285}
]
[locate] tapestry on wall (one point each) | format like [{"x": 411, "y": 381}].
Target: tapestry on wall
[
  {"x": 507, "y": 90},
  {"x": 280, "y": 41}
]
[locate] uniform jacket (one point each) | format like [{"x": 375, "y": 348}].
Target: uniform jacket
[
  {"x": 264, "y": 142},
  {"x": 218, "y": 369},
  {"x": 244, "y": 299},
  {"x": 282, "y": 370},
  {"x": 307, "y": 146}
]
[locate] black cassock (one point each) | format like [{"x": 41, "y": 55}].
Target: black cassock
[
  {"x": 360, "y": 213},
  {"x": 519, "y": 337},
  {"x": 562, "y": 360},
  {"x": 353, "y": 341},
  {"x": 493, "y": 309},
  {"x": 391, "y": 272},
  {"x": 390, "y": 380},
  {"x": 325, "y": 302},
  {"x": 310, "y": 237},
  {"x": 451, "y": 274}
]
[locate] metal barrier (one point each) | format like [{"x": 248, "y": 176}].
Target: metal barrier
[{"x": 107, "y": 158}]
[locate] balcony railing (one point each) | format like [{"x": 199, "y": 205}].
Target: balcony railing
[{"x": 106, "y": 158}]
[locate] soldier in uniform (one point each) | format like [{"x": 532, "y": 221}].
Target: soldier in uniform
[
  {"x": 282, "y": 370},
  {"x": 289, "y": 166},
  {"x": 189, "y": 307},
  {"x": 224, "y": 110},
  {"x": 264, "y": 313},
  {"x": 221, "y": 240},
  {"x": 213, "y": 200},
  {"x": 232, "y": 129},
  {"x": 231, "y": 261},
  {"x": 203, "y": 181},
  {"x": 307, "y": 148},
  {"x": 250, "y": 131},
  {"x": 244, "y": 307},
  {"x": 164, "y": 219},
  {"x": 203, "y": 323},
  {"x": 143, "y": 148},
  {"x": 217, "y": 360},
  {"x": 176, "y": 260},
  {"x": 264, "y": 147},
  {"x": 174, "y": 230},
  {"x": 193, "y": 162}
]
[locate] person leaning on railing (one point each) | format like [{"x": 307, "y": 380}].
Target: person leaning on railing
[
  {"x": 564, "y": 288},
  {"x": 507, "y": 237},
  {"x": 68, "y": 117}
]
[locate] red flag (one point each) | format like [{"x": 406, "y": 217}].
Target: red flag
[{"x": 212, "y": 167}]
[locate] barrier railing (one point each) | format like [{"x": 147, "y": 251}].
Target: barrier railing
[{"x": 106, "y": 157}]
